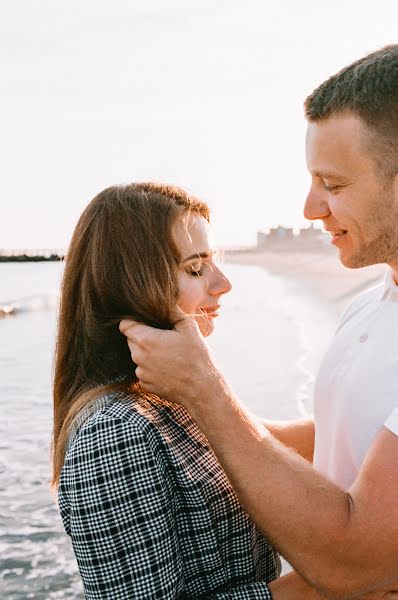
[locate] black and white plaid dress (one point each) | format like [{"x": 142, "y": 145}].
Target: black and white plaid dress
[{"x": 150, "y": 512}]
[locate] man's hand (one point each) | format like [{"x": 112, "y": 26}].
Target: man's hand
[{"x": 174, "y": 364}]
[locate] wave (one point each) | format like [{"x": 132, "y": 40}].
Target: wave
[{"x": 28, "y": 304}]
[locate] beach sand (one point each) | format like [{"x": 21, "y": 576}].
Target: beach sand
[{"x": 321, "y": 273}]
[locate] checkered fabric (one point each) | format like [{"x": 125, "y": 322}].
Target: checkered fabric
[{"x": 150, "y": 512}]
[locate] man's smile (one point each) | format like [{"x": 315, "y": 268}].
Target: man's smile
[{"x": 337, "y": 234}]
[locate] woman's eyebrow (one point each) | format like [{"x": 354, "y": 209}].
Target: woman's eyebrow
[{"x": 197, "y": 255}]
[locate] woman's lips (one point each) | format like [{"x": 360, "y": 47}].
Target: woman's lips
[{"x": 211, "y": 311}]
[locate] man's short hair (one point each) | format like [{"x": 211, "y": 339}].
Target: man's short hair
[{"x": 367, "y": 88}]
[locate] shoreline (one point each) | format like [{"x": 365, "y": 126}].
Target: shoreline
[{"x": 24, "y": 258}]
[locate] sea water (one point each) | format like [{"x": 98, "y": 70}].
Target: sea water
[{"x": 268, "y": 341}]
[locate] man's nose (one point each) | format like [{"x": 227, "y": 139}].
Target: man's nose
[{"x": 316, "y": 205}]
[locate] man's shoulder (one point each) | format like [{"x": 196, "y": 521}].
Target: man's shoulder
[
  {"x": 392, "y": 421},
  {"x": 365, "y": 301}
]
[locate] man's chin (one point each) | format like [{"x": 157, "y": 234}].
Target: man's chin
[{"x": 350, "y": 260}]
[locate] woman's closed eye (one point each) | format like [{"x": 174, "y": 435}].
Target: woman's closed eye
[{"x": 195, "y": 270}]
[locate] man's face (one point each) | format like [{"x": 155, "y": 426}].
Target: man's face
[{"x": 358, "y": 206}]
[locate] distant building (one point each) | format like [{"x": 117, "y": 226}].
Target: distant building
[
  {"x": 276, "y": 235},
  {"x": 284, "y": 238}
]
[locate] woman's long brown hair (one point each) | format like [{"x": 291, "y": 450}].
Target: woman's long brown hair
[{"x": 122, "y": 263}]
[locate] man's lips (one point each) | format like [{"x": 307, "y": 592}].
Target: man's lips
[{"x": 336, "y": 234}]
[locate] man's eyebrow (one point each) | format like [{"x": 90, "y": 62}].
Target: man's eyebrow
[
  {"x": 327, "y": 174},
  {"x": 197, "y": 255}
]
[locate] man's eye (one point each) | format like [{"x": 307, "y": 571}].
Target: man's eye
[{"x": 331, "y": 188}]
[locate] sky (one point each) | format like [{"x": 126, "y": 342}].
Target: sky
[{"x": 205, "y": 94}]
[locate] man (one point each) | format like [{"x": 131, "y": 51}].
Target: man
[{"x": 336, "y": 522}]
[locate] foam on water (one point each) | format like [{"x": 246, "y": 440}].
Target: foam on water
[
  {"x": 268, "y": 341},
  {"x": 29, "y": 287},
  {"x": 29, "y": 304}
]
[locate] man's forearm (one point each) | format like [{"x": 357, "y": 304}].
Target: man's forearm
[
  {"x": 299, "y": 435},
  {"x": 293, "y": 587},
  {"x": 301, "y": 513}
]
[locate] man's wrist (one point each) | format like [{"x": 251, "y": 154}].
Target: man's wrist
[{"x": 210, "y": 394}]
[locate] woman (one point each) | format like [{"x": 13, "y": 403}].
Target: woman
[{"x": 148, "y": 508}]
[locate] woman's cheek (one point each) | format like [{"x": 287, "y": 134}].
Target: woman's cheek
[{"x": 190, "y": 296}]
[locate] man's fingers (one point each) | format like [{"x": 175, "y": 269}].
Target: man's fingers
[
  {"x": 137, "y": 355},
  {"x": 178, "y": 315},
  {"x": 183, "y": 321},
  {"x": 139, "y": 372},
  {"x": 126, "y": 324},
  {"x": 138, "y": 333},
  {"x": 147, "y": 387}
]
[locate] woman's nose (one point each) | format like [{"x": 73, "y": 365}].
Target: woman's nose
[{"x": 220, "y": 283}]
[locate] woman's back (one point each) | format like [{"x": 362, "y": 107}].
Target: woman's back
[{"x": 150, "y": 512}]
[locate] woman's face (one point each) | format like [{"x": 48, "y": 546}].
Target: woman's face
[{"x": 200, "y": 281}]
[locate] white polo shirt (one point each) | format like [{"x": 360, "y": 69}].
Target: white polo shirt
[{"x": 356, "y": 391}]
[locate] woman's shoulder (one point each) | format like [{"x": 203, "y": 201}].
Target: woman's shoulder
[
  {"x": 143, "y": 423},
  {"x": 110, "y": 411},
  {"x": 110, "y": 438}
]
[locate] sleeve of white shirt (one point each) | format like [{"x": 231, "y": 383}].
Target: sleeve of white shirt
[{"x": 392, "y": 421}]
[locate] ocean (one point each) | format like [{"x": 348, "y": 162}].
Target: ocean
[{"x": 268, "y": 341}]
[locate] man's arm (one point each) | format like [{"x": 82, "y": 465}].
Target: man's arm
[
  {"x": 299, "y": 435},
  {"x": 294, "y": 587},
  {"x": 343, "y": 544}
]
